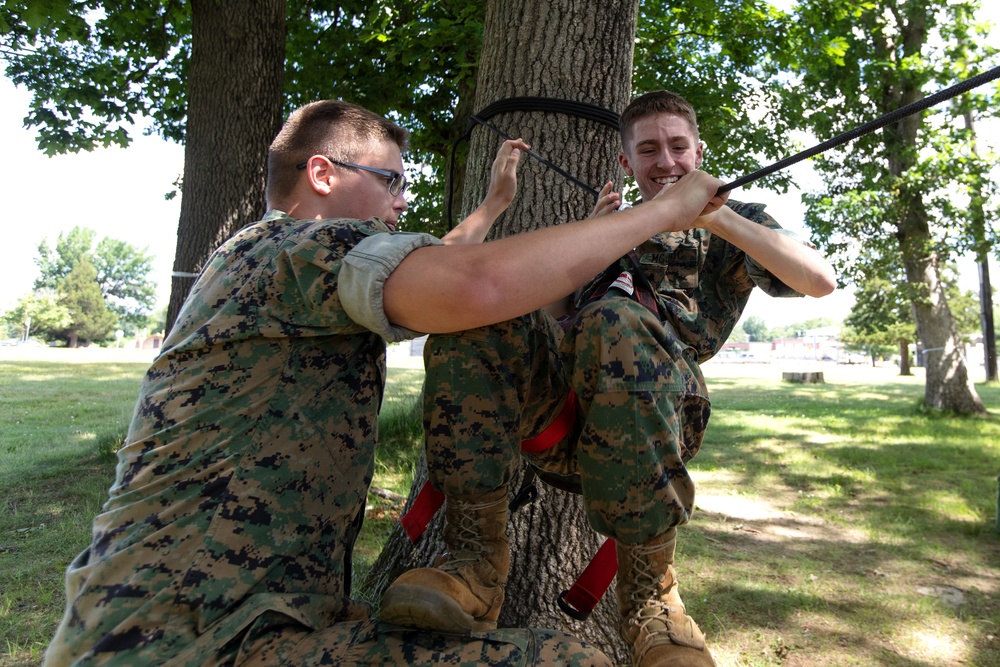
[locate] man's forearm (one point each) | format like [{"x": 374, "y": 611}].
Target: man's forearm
[
  {"x": 449, "y": 288},
  {"x": 792, "y": 262}
]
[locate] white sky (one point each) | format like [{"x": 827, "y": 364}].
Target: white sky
[{"x": 119, "y": 193}]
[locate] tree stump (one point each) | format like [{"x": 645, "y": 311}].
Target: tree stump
[{"x": 803, "y": 377}]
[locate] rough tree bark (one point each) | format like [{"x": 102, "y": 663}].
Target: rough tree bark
[
  {"x": 582, "y": 52},
  {"x": 235, "y": 87}
]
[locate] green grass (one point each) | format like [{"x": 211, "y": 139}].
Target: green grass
[
  {"x": 823, "y": 512},
  {"x": 59, "y": 427},
  {"x": 834, "y": 517}
]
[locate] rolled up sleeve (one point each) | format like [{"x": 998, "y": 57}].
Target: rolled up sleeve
[{"x": 362, "y": 279}]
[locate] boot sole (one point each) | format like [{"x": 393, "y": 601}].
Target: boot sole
[{"x": 428, "y": 609}]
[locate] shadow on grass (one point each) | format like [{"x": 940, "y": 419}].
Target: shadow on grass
[{"x": 879, "y": 500}]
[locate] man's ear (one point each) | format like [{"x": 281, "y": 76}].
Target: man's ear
[
  {"x": 623, "y": 161},
  {"x": 320, "y": 175},
  {"x": 699, "y": 155}
]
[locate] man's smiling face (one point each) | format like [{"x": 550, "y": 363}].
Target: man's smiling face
[{"x": 661, "y": 148}]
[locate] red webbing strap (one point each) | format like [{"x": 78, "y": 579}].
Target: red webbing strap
[
  {"x": 590, "y": 586},
  {"x": 424, "y": 507},
  {"x": 429, "y": 500},
  {"x": 556, "y": 431}
]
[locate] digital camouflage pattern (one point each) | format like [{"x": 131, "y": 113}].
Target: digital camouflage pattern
[
  {"x": 642, "y": 396},
  {"x": 240, "y": 489},
  {"x": 371, "y": 644}
]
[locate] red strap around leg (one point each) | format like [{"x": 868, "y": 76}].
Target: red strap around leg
[
  {"x": 424, "y": 507},
  {"x": 590, "y": 586},
  {"x": 557, "y": 430},
  {"x": 429, "y": 500}
]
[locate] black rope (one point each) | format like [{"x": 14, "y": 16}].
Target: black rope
[
  {"x": 532, "y": 154},
  {"x": 610, "y": 118},
  {"x": 543, "y": 104},
  {"x": 890, "y": 117}
]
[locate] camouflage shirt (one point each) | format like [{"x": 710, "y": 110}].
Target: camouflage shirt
[
  {"x": 702, "y": 282},
  {"x": 247, "y": 461}
]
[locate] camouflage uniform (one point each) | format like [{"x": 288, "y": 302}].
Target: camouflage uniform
[
  {"x": 241, "y": 486},
  {"x": 643, "y": 403}
]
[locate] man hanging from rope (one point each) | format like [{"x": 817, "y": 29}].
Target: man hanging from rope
[{"x": 624, "y": 358}]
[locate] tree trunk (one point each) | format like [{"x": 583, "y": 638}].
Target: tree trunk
[
  {"x": 904, "y": 357},
  {"x": 581, "y": 52},
  {"x": 976, "y": 206},
  {"x": 235, "y": 88},
  {"x": 947, "y": 382},
  {"x": 947, "y": 385},
  {"x": 986, "y": 319}
]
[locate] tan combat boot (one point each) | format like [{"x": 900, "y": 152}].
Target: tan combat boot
[
  {"x": 464, "y": 590},
  {"x": 654, "y": 623}
]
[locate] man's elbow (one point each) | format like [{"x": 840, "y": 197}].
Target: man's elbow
[{"x": 823, "y": 282}]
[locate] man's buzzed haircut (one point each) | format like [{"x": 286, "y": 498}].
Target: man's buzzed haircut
[
  {"x": 656, "y": 102},
  {"x": 340, "y": 130}
]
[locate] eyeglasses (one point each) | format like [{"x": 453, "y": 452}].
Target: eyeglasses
[{"x": 395, "y": 180}]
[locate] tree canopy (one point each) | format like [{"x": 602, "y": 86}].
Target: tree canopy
[
  {"x": 94, "y": 70},
  {"x": 91, "y": 320}
]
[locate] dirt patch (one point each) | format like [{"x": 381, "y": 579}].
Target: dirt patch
[{"x": 770, "y": 523}]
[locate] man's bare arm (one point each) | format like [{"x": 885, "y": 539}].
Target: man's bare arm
[
  {"x": 795, "y": 264},
  {"x": 438, "y": 289},
  {"x": 503, "y": 187}
]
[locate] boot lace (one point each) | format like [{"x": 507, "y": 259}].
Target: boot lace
[
  {"x": 646, "y": 596},
  {"x": 464, "y": 537}
]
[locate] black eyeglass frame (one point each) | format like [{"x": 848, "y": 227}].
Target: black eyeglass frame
[{"x": 394, "y": 180}]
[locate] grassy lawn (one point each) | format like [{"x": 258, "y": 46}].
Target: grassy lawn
[
  {"x": 840, "y": 524},
  {"x": 837, "y": 523}
]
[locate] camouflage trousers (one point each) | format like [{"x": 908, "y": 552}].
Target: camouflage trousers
[
  {"x": 370, "y": 644},
  {"x": 642, "y": 412}
]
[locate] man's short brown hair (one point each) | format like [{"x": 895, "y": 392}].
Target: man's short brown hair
[
  {"x": 656, "y": 102},
  {"x": 340, "y": 130}
]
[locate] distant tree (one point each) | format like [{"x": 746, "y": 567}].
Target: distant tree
[
  {"x": 738, "y": 336},
  {"x": 38, "y": 312},
  {"x": 799, "y": 329},
  {"x": 157, "y": 321},
  {"x": 55, "y": 263},
  {"x": 91, "y": 320},
  {"x": 874, "y": 345},
  {"x": 882, "y": 316},
  {"x": 756, "y": 329},
  {"x": 964, "y": 305},
  {"x": 890, "y": 196},
  {"x": 123, "y": 276},
  {"x": 122, "y": 272}
]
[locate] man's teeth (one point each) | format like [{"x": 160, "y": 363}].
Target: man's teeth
[{"x": 666, "y": 180}]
